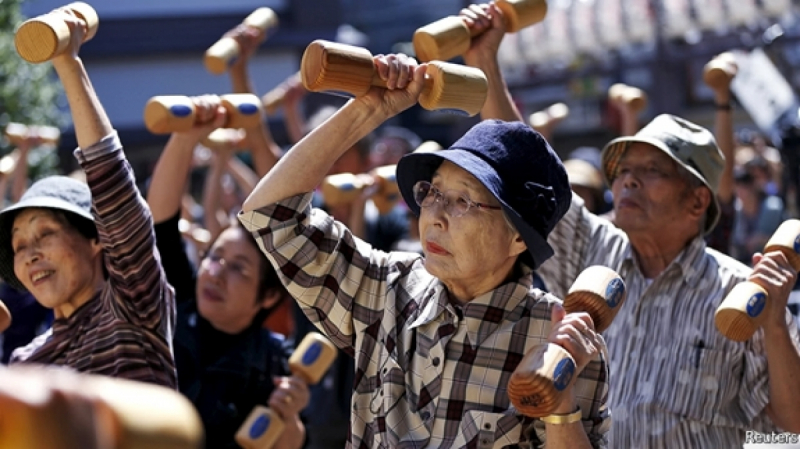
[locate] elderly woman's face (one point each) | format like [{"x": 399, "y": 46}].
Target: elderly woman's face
[
  {"x": 52, "y": 259},
  {"x": 474, "y": 252}
]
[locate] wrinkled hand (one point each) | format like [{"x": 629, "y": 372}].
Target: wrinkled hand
[
  {"x": 575, "y": 333},
  {"x": 290, "y": 397},
  {"x": 487, "y": 19},
  {"x": 404, "y": 78},
  {"x": 774, "y": 273}
]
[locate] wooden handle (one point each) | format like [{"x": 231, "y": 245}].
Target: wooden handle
[
  {"x": 548, "y": 118},
  {"x": 125, "y": 414},
  {"x": 313, "y": 356},
  {"x": 17, "y": 134},
  {"x": 220, "y": 56},
  {"x": 273, "y": 99},
  {"x": 537, "y": 384},
  {"x": 224, "y": 139},
  {"x": 5, "y": 317},
  {"x": 343, "y": 188},
  {"x": 740, "y": 314},
  {"x": 176, "y": 113},
  {"x": 450, "y": 37},
  {"x": 44, "y": 37},
  {"x": 720, "y": 71},
  {"x": 331, "y": 66},
  {"x": 388, "y": 194}
]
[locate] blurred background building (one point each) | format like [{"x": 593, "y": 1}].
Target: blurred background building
[{"x": 154, "y": 47}]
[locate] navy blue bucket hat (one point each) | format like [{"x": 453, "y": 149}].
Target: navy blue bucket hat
[
  {"x": 517, "y": 166},
  {"x": 53, "y": 192}
]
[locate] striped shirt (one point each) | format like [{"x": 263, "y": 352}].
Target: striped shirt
[
  {"x": 678, "y": 382},
  {"x": 126, "y": 329},
  {"x": 427, "y": 373}
]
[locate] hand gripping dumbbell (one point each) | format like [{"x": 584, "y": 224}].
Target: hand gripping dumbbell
[
  {"x": 44, "y": 37},
  {"x": 331, "y": 66},
  {"x": 450, "y": 37},
  {"x": 224, "y": 52},
  {"x": 175, "y": 113},
  {"x": 273, "y": 99},
  {"x": 538, "y": 383},
  {"x": 309, "y": 361},
  {"x": 632, "y": 97},
  {"x": 48, "y": 402},
  {"x": 17, "y": 134},
  {"x": 5, "y": 317},
  {"x": 741, "y": 313},
  {"x": 719, "y": 72}
]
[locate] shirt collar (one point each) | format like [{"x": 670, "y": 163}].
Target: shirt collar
[
  {"x": 485, "y": 313},
  {"x": 690, "y": 261}
]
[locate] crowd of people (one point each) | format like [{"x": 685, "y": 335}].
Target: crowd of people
[{"x": 431, "y": 301}]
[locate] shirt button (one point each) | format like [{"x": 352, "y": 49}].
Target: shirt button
[
  {"x": 487, "y": 426},
  {"x": 425, "y": 416},
  {"x": 436, "y": 361}
]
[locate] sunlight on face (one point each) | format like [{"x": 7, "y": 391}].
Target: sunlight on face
[{"x": 470, "y": 252}]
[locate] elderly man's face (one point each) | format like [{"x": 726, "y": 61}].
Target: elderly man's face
[
  {"x": 468, "y": 252},
  {"x": 650, "y": 195}
]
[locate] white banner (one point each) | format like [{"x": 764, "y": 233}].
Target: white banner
[{"x": 761, "y": 89}]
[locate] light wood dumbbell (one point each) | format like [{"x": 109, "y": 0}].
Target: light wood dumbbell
[
  {"x": 331, "y": 66},
  {"x": 273, "y": 99},
  {"x": 629, "y": 96},
  {"x": 5, "y": 317},
  {"x": 538, "y": 383},
  {"x": 44, "y": 37},
  {"x": 450, "y": 37},
  {"x": 544, "y": 121},
  {"x": 175, "y": 113},
  {"x": 42, "y": 409},
  {"x": 17, "y": 134},
  {"x": 310, "y": 361},
  {"x": 225, "y": 139},
  {"x": 224, "y": 52},
  {"x": 720, "y": 71},
  {"x": 741, "y": 313},
  {"x": 344, "y": 188}
]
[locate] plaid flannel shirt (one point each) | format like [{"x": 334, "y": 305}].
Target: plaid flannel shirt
[{"x": 428, "y": 373}]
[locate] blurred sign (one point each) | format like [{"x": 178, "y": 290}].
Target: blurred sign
[
  {"x": 710, "y": 14},
  {"x": 761, "y": 89},
  {"x": 610, "y": 24},
  {"x": 584, "y": 26},
  {"x": 640, "y": 21},
  {"x": 677, "y": 17}
]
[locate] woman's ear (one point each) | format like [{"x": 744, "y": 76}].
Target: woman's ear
[
  {"x": 97, "y": 248},
  {"x": 272, "y": 297},
  {"x": 518, "y": 246}
]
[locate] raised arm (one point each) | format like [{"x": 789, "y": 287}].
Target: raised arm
[
  {"x": 488, "y": 20},
  {"x": 123, "y": 220},
  {"x": 307, "y": 163},
  {"x": 263, "y": 148},
  {"x": 171, "y": 175}
]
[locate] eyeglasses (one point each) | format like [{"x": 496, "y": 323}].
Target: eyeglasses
[
  {"x": 455, "y": 204},
  {"x": 216, "y": 261}
]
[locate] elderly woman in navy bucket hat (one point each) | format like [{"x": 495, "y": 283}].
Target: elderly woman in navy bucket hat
[
  {"x": 435, "y": 337},
  {"x": 88, "y": 251}
]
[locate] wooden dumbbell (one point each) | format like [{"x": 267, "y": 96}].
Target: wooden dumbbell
[
  {"x": 720, "y": 71},
  {"x": 17, "y": 134},
  {"x": 344, "y": 188},
  {"x": 632, "y": 97},
  {"x": 121, "y": 414},
  {"x": 176, "y": 113},
  {"x": 741, "y": 313},
  {"x": 309, "y": 361},
  {"x": 331, "y": 66},
  {"x": 273, "y": 99},
  {"x": 548, "y": 118},
  {"x": 5, "y": 317},
  {"x": 220, "y": 56},
  {"x": 44, "y": 37},
  {"x": 450, "y": 37},
  {"x": 388, "y": 194},
  {"x": 538, "y": 383}
]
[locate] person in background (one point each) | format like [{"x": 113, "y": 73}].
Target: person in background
[{"x": 88, "y": 252}]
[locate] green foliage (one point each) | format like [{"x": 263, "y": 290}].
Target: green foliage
[{"x": 29, "y": 93}]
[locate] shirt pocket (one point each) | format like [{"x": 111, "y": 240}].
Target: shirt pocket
[
  {"x": 485, "y": 430},
  {"x": 692, "y": 382}
]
